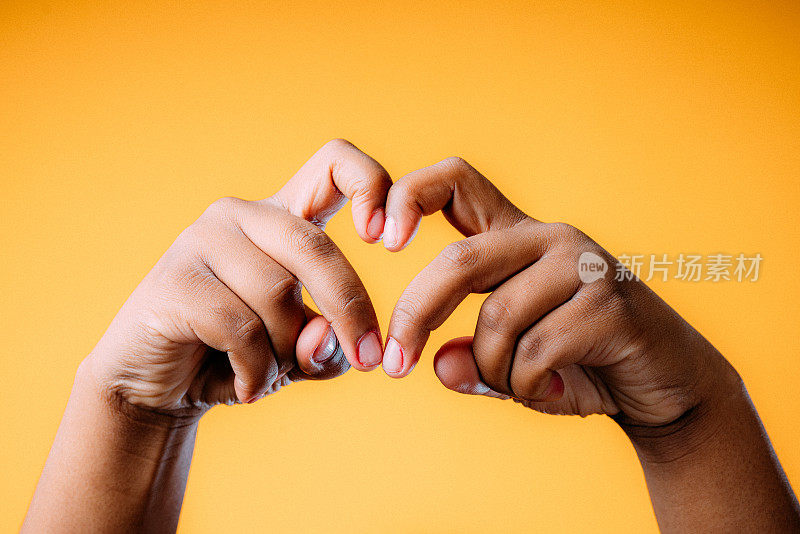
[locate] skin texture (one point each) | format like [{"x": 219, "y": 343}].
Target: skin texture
[
  {"x": 557, "y": 345},
  {"x": 220, "y": 319}
]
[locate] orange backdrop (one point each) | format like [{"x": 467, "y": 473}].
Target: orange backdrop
[{"x": 656, "y": 127}]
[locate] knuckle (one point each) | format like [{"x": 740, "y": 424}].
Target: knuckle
[
  {"x": 196, "y": 277},
  {"x": 563, "y": 232},
  {"x": 530, "y": 346},
  {"x": 284, "y": 291},
  {"x": 354, "y": 303},
  {"x": 223, "y": 208},
  {"x": 407, "y": 312},
  {"x": 461, "y": 254},
  {"x": 495, "y": 315},
  {"x": 337, "y": 145},
  {"x": 249, "y": 331},
  {"x": 537, "y": 356},
  {"x": 614, "y": 300},
  {"x": 188, "y": 241},
  {"x": 601, "y": 294},
  {"x": 343, "y": 156},
  {"x": 458, "y": 163},
  {"x": 209, "y": 227},
  {"x": 179, "y": 274},
  {"x": 309, "y": 239},
  {"x": 569, "y": 240},
  {"x": 405, "y": 192}
]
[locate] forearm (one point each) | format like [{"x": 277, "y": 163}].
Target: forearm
[
  {"x": 112, "y": 468},
  {"x": 715, "y": 470}
]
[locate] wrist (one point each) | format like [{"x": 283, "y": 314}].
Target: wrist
[
  {"x": 125, "y": 467},
  {"x": 713, "y": 468},
  {"x": 102, "y": 393},
  {"x": 721, "y": 399}
]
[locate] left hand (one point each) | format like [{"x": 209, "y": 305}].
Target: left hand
[{"x": 543, "y": 337}]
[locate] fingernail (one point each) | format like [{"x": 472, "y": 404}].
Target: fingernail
[
  {"x": 390, "y": 233},
  {"x": 393, "y": 357},
  {"x": 255, "y": 398},
  {"x": 476, "y": 389},
  {"x": 369, "y": 350},
  {"x": 555, "y": 389},
  {"x": 375, "y": 224},
  {"x": 326, "y": 348}
]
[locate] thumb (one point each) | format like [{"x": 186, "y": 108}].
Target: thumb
[
  {"x": 336, "y": 172},
  {"x": 319, "y": 354},
  {"x": 456, "y": 369}
]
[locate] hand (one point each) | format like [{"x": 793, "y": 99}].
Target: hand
[
  {"x": 543, "y": 337},
  {"x": 220, "y": 318}
]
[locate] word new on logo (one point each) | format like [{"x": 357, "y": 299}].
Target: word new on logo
[{"x": 591, "y": 267}]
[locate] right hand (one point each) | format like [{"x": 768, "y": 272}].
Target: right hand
[{"x": 220, "y": 318}]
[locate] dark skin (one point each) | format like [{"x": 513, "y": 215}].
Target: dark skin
[
  {"x": 201, "y": 329},
  {"x": 558, "y": 345},
  {"x": 219, "y": 320}
]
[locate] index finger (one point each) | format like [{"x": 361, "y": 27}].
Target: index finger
[
  {"x": 467, "y": 199},
  {"x": 473, "y": 265},
  {"x": 312, "y": 257},
  {"x": 336, "y": 172}
]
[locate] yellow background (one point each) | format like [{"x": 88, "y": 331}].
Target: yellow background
[{"x": 656, "y": 127}]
